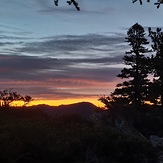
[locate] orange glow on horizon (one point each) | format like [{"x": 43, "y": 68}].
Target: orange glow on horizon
[{"x": 59, "y": 102}]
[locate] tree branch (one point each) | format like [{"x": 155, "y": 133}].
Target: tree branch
[{"x": 69, "y": 2}]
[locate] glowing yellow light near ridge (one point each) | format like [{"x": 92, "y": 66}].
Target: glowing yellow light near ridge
[
  {"x": 59, "y": 102},
  {"x": 65, "y": 102},
  {"x": 17, "y": 103}
]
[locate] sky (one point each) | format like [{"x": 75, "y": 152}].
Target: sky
[{"x": 59, "y": 55}]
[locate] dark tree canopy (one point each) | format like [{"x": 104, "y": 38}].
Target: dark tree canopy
[
  {"x": 7, "y": 96},
  {"x": 157, "y": 62},
  {"x": 135, "y": 87},
  {"x": 142, "y": 75}
]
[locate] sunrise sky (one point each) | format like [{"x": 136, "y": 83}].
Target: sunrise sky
[{"x": 59, "y": 55}]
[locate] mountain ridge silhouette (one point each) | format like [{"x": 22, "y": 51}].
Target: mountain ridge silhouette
[{"x": 83, "y": 109}]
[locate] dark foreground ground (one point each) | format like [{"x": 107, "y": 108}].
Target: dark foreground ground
[{"x": 31, "y": 136}]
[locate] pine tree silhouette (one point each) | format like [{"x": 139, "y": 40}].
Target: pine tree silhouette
[
  {"x": 135, "y": 89},
  {"x": 157, "y": 61}
]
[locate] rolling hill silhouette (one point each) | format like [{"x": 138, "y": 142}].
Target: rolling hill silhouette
[{"x": 83, "y": 109}]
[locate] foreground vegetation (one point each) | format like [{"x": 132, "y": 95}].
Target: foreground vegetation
[{"x": 32, "y": 136}]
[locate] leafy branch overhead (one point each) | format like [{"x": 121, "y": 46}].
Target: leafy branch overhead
[
  {"x": 158, "y": 3},
  {"x": 69, "y": 2}
]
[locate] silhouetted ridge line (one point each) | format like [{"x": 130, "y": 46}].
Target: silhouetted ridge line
[{"x": 83, "y": 109}]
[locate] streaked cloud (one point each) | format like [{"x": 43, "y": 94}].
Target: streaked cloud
[
  {"x": 63, "y": 66},
  {"x": 90, "y": 45}
]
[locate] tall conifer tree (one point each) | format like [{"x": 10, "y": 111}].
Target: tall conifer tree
[
  {"x": 135, "y": 89},
  {"x": 157, "y": 63}
]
